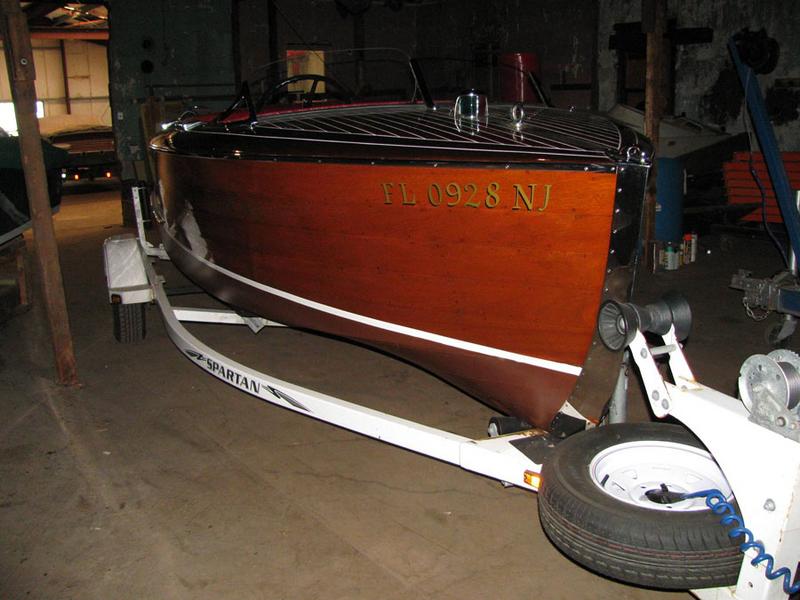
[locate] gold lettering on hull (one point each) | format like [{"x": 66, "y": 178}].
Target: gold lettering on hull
[
  {"x": 406, "y": 200},
  {"x": 529, "y": 200},
  {"x": 530, "y": 197},
  {"x": 387, "y": 193},
  {"x": 492, "y": 194}
]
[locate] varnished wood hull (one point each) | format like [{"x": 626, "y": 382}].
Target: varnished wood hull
[{"x": 489, "y": 276}]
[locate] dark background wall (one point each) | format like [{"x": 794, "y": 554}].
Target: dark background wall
[
  {"x": 706, "y": 87},
  {"x": 318, "y": 24},
  {"x": 177, "y": 49},
  {"x": 562, "y": 36},
  {"x": 199, "y": 51}
]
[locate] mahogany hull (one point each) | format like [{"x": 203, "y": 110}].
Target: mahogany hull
[{"x": 488, "y": 275}]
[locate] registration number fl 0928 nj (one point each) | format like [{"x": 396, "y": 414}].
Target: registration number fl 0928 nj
[{"x": 530, "y": 197}]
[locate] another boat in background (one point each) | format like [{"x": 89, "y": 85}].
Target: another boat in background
[{"x": 15, "y": 217}]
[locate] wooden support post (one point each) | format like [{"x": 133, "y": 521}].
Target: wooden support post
[
  {"x": 654, "y": 24},
  {"x": 21, "y": 74},
  {"x": 22, "y": 277}
]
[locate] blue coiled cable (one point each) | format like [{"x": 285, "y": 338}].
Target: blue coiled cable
[{"x": 719, "y": 506}]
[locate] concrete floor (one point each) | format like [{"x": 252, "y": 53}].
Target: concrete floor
[{"x": 153, "y": 480}]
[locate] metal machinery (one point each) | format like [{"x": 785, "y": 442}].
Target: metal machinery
[
  {"x": 755, "y": 53},
  {"x": 753, "y": 445}
]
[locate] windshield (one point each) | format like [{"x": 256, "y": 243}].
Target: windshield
[
  {"x": 500, "y": 81},
  {"x": 386, "y": 74},
  {"x": 311, "y": 77},
  {"x": 358, "y": 75}
]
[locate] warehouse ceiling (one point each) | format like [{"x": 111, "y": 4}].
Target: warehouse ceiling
[{"x": 67, "y": 20}]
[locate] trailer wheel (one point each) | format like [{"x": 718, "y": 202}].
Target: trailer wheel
[
  {"x": 611, "y": 501},
  {"x": 129, "y": 322}
]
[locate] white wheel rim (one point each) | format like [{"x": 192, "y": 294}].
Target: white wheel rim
[{"x": 629, "y": 471}]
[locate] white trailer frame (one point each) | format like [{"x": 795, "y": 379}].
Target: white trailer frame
[
  {"x": 129, "y": 264},
  {"x": 762, "y": 467}
]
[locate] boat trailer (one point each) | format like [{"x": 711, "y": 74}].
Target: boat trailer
[{"x": 754, "y": 441}]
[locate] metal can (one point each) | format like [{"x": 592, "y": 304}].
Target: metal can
[
  {"x": 672, "y": 257},
  {"x": 686, "y": 249}
]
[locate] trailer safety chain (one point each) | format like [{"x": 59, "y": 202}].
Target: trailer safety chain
[
  {"x": 752, "y": 314},
  {"x": 719, "y": 506}
]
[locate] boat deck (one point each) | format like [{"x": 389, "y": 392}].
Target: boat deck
[
  {"x": 543, "y": 129},
  {"x": 411, "y": 133}
]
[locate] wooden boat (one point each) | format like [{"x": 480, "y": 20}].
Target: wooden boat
[{"x": 476, "y": 240}]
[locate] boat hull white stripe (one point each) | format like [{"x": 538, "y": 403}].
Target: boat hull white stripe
[{"x": 386, "y": 326}]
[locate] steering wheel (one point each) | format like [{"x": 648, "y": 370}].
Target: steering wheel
[{"x": 332, "y": 88}]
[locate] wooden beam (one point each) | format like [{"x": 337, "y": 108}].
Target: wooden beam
[
  {"x": 37, "y": 10},
  {"x": 63, "y": 33},
  {"x": 654, "y": 24},
  {"x": 65, "y": 75},
  {"x": 21, "y": 74}
]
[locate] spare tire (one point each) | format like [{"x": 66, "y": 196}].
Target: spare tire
[{"x": 611, "y": 500}]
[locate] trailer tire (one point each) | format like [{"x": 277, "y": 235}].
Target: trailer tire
[
  {"x": 129, "y": 322},
  {"x": 622, "y": 532}
]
